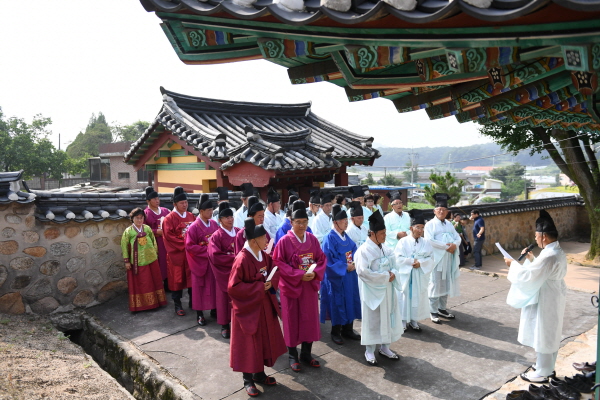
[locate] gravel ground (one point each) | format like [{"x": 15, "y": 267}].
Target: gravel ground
[{"x": 39, "y": 362}]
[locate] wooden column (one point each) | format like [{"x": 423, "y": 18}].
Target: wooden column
[{"x": 341, "y": 178}]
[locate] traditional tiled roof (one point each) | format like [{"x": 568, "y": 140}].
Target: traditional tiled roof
[
  {"x": 9, "y": 189},
  {"x": 281, "y": 137},
  {"x": 304, "y": 12}
]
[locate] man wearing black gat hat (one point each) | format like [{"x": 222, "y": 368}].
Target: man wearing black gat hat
[
  {"x": 321, "y": 224},
  {"x": 242, "y": 213},
  {"x": 539, "y": 290},
  {"x": 223, "y": 196},
  {"x": 357, "y": 230},
  {"x": 444, "y": 277},
  {"x": 379, "y": 288}
]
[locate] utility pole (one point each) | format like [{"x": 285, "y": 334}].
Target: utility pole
[{"x": 412, "y": 155}]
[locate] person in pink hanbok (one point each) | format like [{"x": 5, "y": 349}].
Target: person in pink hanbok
[
  {"x": 196, "y": 248},
  {"x": 154, "y": 217},
  {"x": 299, "y": 288}
]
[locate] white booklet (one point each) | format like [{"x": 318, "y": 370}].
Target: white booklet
[
  {"x": 269, "y": 246},
  {"x": 272, "y": 273},
  {"x": 504, "y": 253},
  {"x": 311, "y": 268}
]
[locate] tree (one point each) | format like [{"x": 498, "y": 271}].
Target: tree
[
  {"x": 411, "y": 172},
  {"x": 369, "y": 179},
  {"x": 574, "y": 154},
  {"x": 128, "y": 133},
  {"x": 444, "y": 184},
  {"x": 488, "y": 199},
  {"x": 96, "y": 133},
  {"x": 390, "y": 180},
  {"x": 512, "y": 177}
]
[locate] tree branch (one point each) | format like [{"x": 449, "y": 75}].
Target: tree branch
[
  {"x": 593, "y": 161},
  {"x": 553, "y": 152}
]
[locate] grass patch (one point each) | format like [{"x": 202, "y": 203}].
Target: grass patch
[{"x": 420, "y": 206}]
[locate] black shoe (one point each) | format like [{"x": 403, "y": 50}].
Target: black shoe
[
  {"x": 445, "y": 314},
  {"x": 306, "y": 357},
  {"x": 179, "y": 310},
  {"x": 581, "y": 385},
  {"x": 213, "y": 313},
  {"x": 394, "y": 356},
  {"x": 263, "y": 379},
  {"x": 225, "y": 331},
  {"x": 435, "y": 318},
  {"x": 371, "y": 361},
  {"x": 336, "y": 336},
  {"x": 350, "y": 333},
  {"x": 201, "y": 319},
  {"x": 563, "y": 391},
  {"x": 520, "y": 395},
  {"x": 251, "y": 389}
]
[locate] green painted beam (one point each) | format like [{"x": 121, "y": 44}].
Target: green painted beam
[{"x": 176, "y": 167}]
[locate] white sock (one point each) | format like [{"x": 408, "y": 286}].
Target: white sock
[{"x": 385, "y": 349}]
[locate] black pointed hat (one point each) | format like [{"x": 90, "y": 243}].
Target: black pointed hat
[
  {"x": 223, "y": 193},
  {"x": 357, "y": 191},
  {"x": 416, "y": 217},
  {"x": 291, "y": 200},
  {"x": 299, "y": 210},
  {"x": 326, "y": 198},
  {"x": 247, "y": 189},
  {"x": 545, "y": 223},
  {"x": 315, "y": 197},
  {"x": 441, "y": 200},
  {"x": 272, "y": 196},
  {"x": 254, "y": 205},
  {"x": 376, "y": 222},
  {"x": 292, "y": 191},
  {"x": 179, "y": 194},
  {"x": 225, "y": 210},
  {"x": 150, "y": 193},
  {"x": 204, "y": 203},
  {"x": 252, "y": 230},
  {"x": 356, "y": 209},
  {"x": 337, "y": 214},
  {"x": 394, "y": 195}
]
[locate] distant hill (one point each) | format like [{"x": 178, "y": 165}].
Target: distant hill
[{"x": 399, "y": 156}]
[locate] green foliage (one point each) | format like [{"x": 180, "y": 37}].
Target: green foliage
[
  {"x": 512, "y": 177},
  {"x": 421, "y": 206},
  {"x": 369, "y": 179},
  {"x": 129, "y": 133},
  {"x": 488, "y": 199},
  {"x": 444, "y": 184},
  {"x": 87, "y": 143},
  {"x": 390, "y": 180}
]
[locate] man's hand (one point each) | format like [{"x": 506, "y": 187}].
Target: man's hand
[
  {"x": 351, "y": 267},
  {"x": 508, "y": 261},
  {"x": 127, "y": 265},
  {"x": 400, "y": 235},
  {"x": 308, "y": 277},
  {"x": 159, "y": 232},
  {"x": 416, "y": 264},
  {"x": 392, "y": 276},
  {"x": 451, "y": 248},
  {"x": 268, "y": 285},
  {"x": 479, "y": 235},
  {"x": 529, "y": 255}
]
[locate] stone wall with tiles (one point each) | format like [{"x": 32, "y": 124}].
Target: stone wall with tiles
[
  {"x": 49, "y": 267},
  {"x": 517, "y": 230}
]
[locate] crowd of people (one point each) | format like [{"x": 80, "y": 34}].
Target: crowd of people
[{"x": 336, "y": 260}]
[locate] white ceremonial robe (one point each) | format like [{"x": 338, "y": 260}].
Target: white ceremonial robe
[
  {"x": 311, "y": 216},
  {"x": 240, "y": 216},
  {"x": 272, "y": 223},
  {"x": 414, "y": 281},
  {"x": 444, "y": 277},
  {"x": 381, "y": 311},
  {"x": 367, "y": 213},
  {"x": 395, "y": 224},
  {"x": 320, "y": 225},
  {"x": 358, "y": 234},
  {"x": 539, "y": 289}
]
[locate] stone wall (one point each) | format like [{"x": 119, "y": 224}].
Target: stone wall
[
  {"x": 47, "y": 267},
  {"x": 517, "y": 230}
]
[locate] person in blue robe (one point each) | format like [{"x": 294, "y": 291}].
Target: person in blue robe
[{"x": 340, "y": 298}]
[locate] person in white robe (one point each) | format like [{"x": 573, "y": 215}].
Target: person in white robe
[
  {"x": 314, "y": 205},
  {"x": 242, "y": 213},
  {"x": 358, "y": 195},
  {"x": 273, "y": 221},
  {"x": 356, "y": 230},
  {"x": 539, "y": 290},
  {"x": 444, "y": 278},
  {"x": 397, "y": 222},
  {"x": 322, "y": 224},
  {"x": 223, "y": 196},
  {"x": 378, "y": 287},
  {"x": 414, "y": 261}
]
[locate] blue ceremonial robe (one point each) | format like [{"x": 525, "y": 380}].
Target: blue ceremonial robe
[
  {"x": 340, "y": 298},
  {"x": 283, "y": 230}
]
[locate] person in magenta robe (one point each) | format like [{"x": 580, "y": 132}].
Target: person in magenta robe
[
  {"x": 196, "y": 247},
  {"x": 154, "y": 214},
  {"x": 257, "y": 211},
  {"x": 175, "y": 226},
  {"x": 256, "y": 338},
  {"x": 221, "y": 252},
  {"x": 299, "y": 289}
]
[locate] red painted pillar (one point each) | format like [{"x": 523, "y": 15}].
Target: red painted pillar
[{"x": 341, "y": 178}]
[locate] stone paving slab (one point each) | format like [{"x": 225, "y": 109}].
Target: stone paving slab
[{"x": 461, "y": 359}]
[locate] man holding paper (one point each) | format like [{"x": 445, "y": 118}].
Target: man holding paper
[
  {"x": 340, "y": 299},
  {"x": 256, "y": 338},
  {"x": 539, "y": 290},
  {"x": 301, "y": 264}
]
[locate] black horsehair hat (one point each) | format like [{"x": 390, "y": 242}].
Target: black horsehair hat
[
  {"x": 223, "y": 193},
  {"x": 272, "y": 196},
  {"x": 204, "y": 203},
  {"x": 247, "y": 189},
  {"x": 179, "y": 194},
  {"x": 356, "y": 209},
  {"x": 394, "y": 195},
  {"x": 337, "y": 213},
  {"x": 357, "y": 191},
  {"x": 376, "y": 222},
  {"x": 225, "y": 210},
  {"x": 315, "y": 196},
  {"x": 545, "y": 223},
  {"x": 299, "y": 210},
  {"x": 252, "y": 230},
  {"x": 150, "y": 193},
  {"x": 254, "y": 205},
  {"x": 441, "y": 200},
  {"x": 326, "y": 198},
  {"x": 416, "y": 217}
]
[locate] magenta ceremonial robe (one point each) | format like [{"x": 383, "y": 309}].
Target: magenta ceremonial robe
[
  {"x": 299, "y": 299},
  {"x": 174, "y": 230},
  {"x": 240, "y": 240},
  {"x": 203, "y": 280},
  {"x": 221, "y": 251},
  {"x": 153, "y": 221},
  {"x": 256, "y": 338}
]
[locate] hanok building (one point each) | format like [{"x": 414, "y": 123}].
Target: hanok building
[
  {"x": 531, "y": 63},
  {"x": 201, "y": 143}
]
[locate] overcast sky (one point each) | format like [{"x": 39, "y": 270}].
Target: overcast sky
[{"x": 68, "y": 59}]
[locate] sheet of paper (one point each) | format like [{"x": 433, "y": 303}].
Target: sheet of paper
[
  {"x": 311, "y": 268},
  {"x": 504, "y": 253},
  {"x": 270, "y": 246},
  {"x": 272, "y": 273}
]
